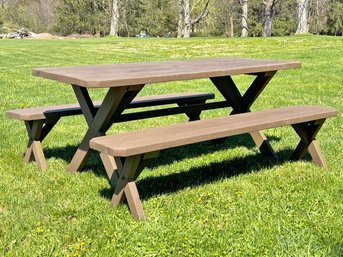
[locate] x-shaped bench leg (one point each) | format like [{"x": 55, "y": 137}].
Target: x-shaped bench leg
[
  {"x": 123, "y": 173},
  {"x": 37, "y": 130},
  {"x": 307, "y": 133},
  {"x": 241, "y": 104}
]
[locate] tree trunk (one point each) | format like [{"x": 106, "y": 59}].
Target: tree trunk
[
  {"x": 269, "y": 9},
  {"x": 181, "y": 19},
  {"x": 244, "y": 32},
  {"x": 115, "y": 18},
  {"x": 231, "y": 26},
  {"x": 124, "y": 20},
  {"x": 302, "y": 27},
  {"x": 188, "y": 20}
]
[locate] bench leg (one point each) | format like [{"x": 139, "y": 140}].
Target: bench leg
[
  {"x": 37, "y": 130},
  {"x": 192, "y": 115},
  {"x": 34, "y": 149},
  {"x": 242, "y": 104},
  {"x": 307, "y": 133},
  {"x": 126, "y": 187},
  {"x": 123, "y": 173}
]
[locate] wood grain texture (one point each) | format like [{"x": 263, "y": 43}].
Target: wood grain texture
[
  {"x": 154, "y": 139},
  {"x": 116, "y": 75}
]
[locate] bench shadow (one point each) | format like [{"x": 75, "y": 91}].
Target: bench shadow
[
  {"x": 171, "y": 183},
  {"x": 194, "y": 177},
  {"x": 166, "y": 157}
]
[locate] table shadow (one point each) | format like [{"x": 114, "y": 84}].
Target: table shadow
[
  {"x": 215, "y": 171},
  {"x": 166, "y": 156}
]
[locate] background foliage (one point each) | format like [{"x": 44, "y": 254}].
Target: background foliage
[{"x": 157, "y": 17}]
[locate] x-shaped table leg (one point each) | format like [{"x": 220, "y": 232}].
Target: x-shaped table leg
[
  {"x": 115, "y": 102},
  {"x": 241, "y": 104}
]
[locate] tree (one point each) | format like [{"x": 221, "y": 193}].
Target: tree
[
  {"x": 82, "y": 16},
  {"x": 115, "y": 18},
  {"x": 181, "y": 18},
  {"x": 225, "y": 18},
  {"x": 334, "y": 24},
  {"x": 302, "y": 26},
  {"x": 245, "y": 30},
  {"x": 269, "y": 10},
  {"x": 186, "y": 15}
]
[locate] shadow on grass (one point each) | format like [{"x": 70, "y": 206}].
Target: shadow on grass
[
  {"x": 171, "y": 183},
  {"x": 156, "y": 185},
  {"x": 166, "y": 157}
]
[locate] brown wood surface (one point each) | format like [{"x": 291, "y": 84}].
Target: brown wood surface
[
  {"x": 116, "y": 75},
  {"x": 40, "y": 113},
  {"x": 154, "y": 139}
]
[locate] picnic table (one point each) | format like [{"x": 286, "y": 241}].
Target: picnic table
[{"x": 125, "y": 81}]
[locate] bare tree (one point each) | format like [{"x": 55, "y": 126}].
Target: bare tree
[
  {"x": 181, "y": 18},
  {"x": 319, "y": 15},
  {"x": 188, "y": 21},
  {"x": 245, "y": 30},
  {"x": 187, "y": 12},
  {"x": 115, "y": 18},
  {"x": 269, "y": 11},
  {"x": 302, "y": 26}
]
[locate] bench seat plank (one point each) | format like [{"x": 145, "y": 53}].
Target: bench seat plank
[
  {"x": 40, "y": 113},
  {"x": 123, "y": 155},
  {"x": 155, "y": 139}
]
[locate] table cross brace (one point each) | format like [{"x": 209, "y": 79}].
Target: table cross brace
[
  {"x": 241, "y": 104},
  {"x": 115, "y": 102}
]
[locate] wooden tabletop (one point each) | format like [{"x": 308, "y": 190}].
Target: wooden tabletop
[{"x": 116, "y": 75}]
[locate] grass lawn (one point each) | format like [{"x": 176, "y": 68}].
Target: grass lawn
[{"x": 201, "y": 200}]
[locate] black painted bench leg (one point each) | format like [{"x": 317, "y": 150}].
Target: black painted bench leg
[
  {"x": 192, "y": 115},
  {"x": 307, "y": 133}
]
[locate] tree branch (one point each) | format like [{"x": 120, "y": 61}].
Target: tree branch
[{"x": 205, "y": 11}]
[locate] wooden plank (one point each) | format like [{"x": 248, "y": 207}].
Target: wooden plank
[
  {"x": 134, "y": 201},
  {"x": 154, "y": 139},
  {"x": 111, "y": 168},
  {"x": 39, "y": 155},
  {"x": 116, "y": 75},
  {"x": 40, "y": 113},
  {"x": 316, "y": 154},
  {"x": 189, "y": 109}
]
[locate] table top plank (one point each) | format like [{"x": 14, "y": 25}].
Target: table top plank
[{"x": 127, "y": 74}]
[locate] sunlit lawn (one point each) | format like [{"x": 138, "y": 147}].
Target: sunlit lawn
[{"x": 201, "y": 200}]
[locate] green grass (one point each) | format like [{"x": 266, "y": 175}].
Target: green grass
[{"x": 201, "y": 200}]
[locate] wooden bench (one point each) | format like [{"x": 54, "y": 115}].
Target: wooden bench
[
  {"x": 40, "y": 120},
  {"x": 123, "y": 154}
]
